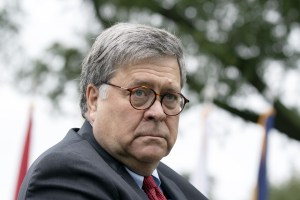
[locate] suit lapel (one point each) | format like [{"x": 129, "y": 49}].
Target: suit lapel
[
  {"x": 171, "y": 189},
  {"x": 126, "y": 176},
  {"x": 86, "y": 133}
]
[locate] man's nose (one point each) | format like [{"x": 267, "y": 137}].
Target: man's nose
[{"x": 155, "y": 112}]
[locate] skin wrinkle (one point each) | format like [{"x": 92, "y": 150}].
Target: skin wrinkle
[
  {"x": 143, "y": 139},
  {"x": 153, "y": 72}
]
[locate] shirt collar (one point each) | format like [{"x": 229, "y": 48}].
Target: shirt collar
[{"x": 139, "y": 179}]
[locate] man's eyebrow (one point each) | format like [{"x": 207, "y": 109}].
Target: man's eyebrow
[{"x": 169, "y": 88}]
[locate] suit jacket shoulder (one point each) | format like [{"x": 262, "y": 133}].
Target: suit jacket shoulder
[{"x": 72, "y": 169}]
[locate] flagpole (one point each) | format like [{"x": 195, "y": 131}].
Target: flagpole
[
  {"x": 261, "y": 190},
  {"x": 199, "y": 176}
]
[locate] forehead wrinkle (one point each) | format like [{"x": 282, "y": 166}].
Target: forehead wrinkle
[
  {"x": 152, "y": 73},
  {"x": 167, "y": 74},
  {"x": 166, "y": 85}
]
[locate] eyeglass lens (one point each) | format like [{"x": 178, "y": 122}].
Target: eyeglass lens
[{"x": 143, "y": 98}]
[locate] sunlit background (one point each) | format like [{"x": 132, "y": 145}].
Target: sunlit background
[{"x": 214, "y": 142}]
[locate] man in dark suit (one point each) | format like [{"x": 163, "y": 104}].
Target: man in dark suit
[{"x": 130, "y": 97}]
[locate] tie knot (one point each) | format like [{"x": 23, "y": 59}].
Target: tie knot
[
  {"x": 149, "y": 183},
  {"x": 151, "y": 189}
]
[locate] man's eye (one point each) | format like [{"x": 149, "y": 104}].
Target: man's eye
[
  {"x": 170, "y": 97},
  {"x": 139, "y": 93}
]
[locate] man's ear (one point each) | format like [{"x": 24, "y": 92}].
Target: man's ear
[{"x": 92, "y": 95}]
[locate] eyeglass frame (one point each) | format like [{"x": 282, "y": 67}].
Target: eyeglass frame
[{"x": 130, "y": 90}]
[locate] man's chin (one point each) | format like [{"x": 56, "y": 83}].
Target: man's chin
[{"x": 151, "y": 156}]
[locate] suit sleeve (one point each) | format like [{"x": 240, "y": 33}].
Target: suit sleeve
[{"x": 63, "y": 176}]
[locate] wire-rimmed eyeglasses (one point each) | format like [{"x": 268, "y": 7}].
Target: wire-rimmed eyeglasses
[{"x": 143, "y": 97}]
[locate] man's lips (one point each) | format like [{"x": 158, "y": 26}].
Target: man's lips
[
  {"x": 152, "y": 130},
  {"x": 152, "y": 134}
]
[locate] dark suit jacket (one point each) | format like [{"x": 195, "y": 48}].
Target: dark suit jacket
[{"x": 78, "y": 168}]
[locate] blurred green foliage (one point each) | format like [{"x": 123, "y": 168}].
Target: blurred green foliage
[
  {"x": 9, "y": 29},
  {"x": 288, "y": 190},
  {"x": 231, "y": 46}
]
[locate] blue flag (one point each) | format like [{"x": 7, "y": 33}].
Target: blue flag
[{"x": 261, "y": 192}]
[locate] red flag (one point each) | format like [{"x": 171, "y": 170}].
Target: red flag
[{"x": 25, "y": 156}]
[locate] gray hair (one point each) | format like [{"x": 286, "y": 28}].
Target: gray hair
[{"x": 122, "y": 44}]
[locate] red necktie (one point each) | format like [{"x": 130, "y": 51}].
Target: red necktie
[{"x": 151, "y": 189}]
